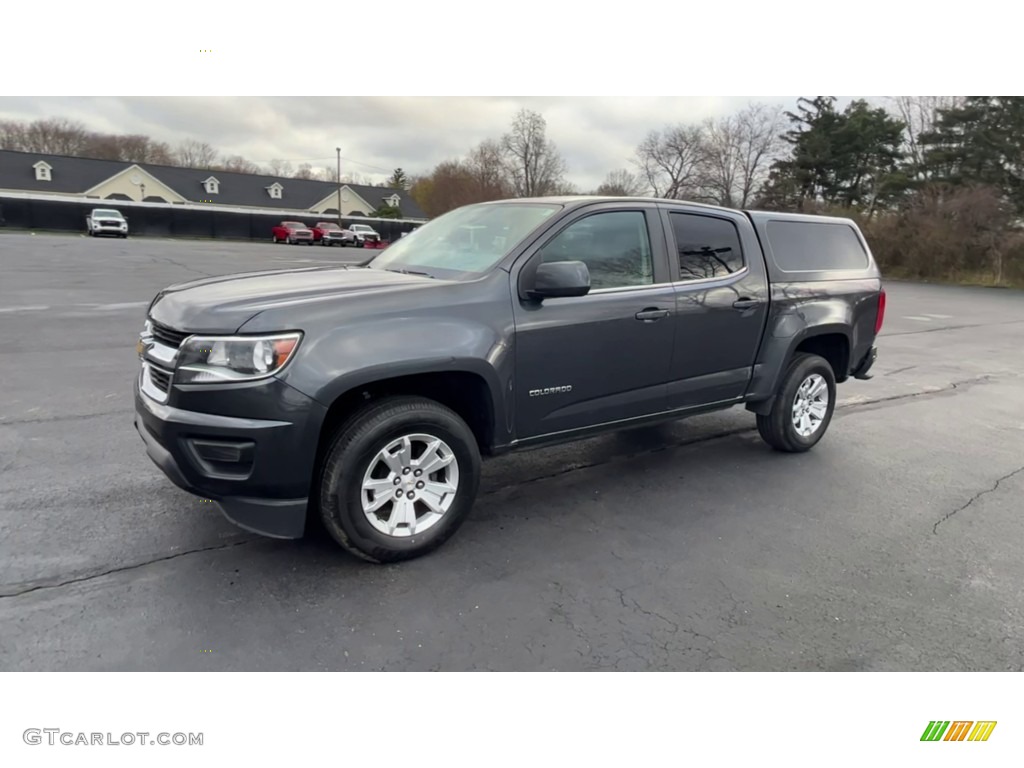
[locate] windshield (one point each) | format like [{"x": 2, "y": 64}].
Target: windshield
[
  {"x": 361, "y": 228},
  {"x": 107, "y": 212},
  {"x": 468, "y": 240},
  {"x": 321, "y": 225},
  {"x": 293, "y": 224}
]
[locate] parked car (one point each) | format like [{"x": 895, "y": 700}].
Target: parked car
[
  {"x": 366, "y": 395},
  {"x": 106, "y": 221},
  {"x": 292, "y": 232},
  {"x": 329, "y": 233},
  {"x": 363, "y": 234}
]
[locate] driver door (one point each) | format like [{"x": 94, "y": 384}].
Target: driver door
[{"x": 604, "y": 357}]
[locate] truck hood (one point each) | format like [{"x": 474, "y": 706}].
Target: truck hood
[{"x": 223, "y": 304}]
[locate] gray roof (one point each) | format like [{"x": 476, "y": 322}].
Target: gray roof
[{"x": 78, "y": 174}]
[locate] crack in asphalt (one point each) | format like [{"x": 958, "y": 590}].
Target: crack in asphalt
[
  {"x": 950, "y": 328},
  {"x": 29, "y": 587},
  {"x": 899, "y": 370},
  {"x": 975, "y": 497},
  {"x": 74, "y": 417},
  {"x": 709, "y": 653},
  {"x": 169, "y": 260}
]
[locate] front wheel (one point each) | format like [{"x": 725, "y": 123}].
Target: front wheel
[
  {"x": 399, "y": 479},
  {"x": 803, "y": 405}
]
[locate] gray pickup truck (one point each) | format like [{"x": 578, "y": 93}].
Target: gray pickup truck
[{"x": 363, "y": 397}]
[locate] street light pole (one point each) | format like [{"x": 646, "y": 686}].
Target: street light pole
[{"x": 338, "y": 150}]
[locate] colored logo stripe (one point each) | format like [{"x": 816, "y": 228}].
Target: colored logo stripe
[
  {"x": 960, "y": 730},
  {"x": 982, "y": 730}
]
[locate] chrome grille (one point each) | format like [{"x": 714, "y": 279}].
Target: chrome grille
[
  {"x": 167, "y": 336},
  {"x": 161, "y": 379}
]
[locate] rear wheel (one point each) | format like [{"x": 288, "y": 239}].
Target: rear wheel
[
  {"x": 399, "y": 479},
  {"x": 803, "y": 405}
]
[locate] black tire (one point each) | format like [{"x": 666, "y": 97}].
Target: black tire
[
  {"x": 355, "y": 445},
  {"x": 777, "y": 428}
]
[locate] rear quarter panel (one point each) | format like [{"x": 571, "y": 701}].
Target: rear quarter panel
[{"x": 813, "y": 302}]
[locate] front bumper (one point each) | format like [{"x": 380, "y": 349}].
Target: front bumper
[{"x": 257, "y": 471}]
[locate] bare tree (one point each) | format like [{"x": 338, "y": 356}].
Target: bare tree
[
  {"x": 135, "y": 148},
  {"x": 565, "y": 187},
  {"x": 670, "y": 161},
  {"x": 622, "y": 183},
  {"x": 12, "y": 135},
  {"x": 761, "y": 144},
  {"x": 280, "y": 168},
  {"x": 304, "y": 171},
  {"x": 738, "y": 151},
  {"x": 920, "y": 114},
  {"x": 238, "y": 164},
  {"x": 55, "y": 136},
  {"x": 533, "y": 161},
  {"x": 195, "y": 154},
  {"x": 355, "y": 178},
  {"x": 487, "y": 168}
]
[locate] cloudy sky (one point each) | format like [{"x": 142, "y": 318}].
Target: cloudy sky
[{"x": 596, "y": 135}]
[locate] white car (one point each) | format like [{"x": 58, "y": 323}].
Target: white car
[
  {"x": 106, "y": 221},
  {"x": 364, "y": 234}
]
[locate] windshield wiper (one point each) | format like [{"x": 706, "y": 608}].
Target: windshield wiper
[{"x": 409, "y": 272}]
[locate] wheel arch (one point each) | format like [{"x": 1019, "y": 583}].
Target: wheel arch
[
  {"x": 831, "y": 341},
  {"x": 468, "y": 387}
]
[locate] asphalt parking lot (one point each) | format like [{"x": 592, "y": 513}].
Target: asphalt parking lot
[{"x": 894, "y": 545}]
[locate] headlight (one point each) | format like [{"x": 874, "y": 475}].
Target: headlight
[{"x": 215, "y": 359}]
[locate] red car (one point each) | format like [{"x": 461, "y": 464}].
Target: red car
[
  {"x": 329, "y": 233},
  {"x": 292, "y": 232}
]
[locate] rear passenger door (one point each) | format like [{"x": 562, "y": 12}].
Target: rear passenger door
[{"x": 721, "y": 290}]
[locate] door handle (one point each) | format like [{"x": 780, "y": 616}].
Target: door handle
[
  {"x": 651, "y": 314},
  {"x": 746, "y": 303}
]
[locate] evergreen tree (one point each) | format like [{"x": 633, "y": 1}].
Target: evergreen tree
[{"x": 980, "y": 143}]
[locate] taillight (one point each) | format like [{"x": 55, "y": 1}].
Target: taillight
[{"x": 881, "y": 312}]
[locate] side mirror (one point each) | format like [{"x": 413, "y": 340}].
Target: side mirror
[{"x": 559, "y": 279}]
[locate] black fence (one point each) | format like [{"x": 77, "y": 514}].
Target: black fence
[{"x": 170, "y": 221}]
